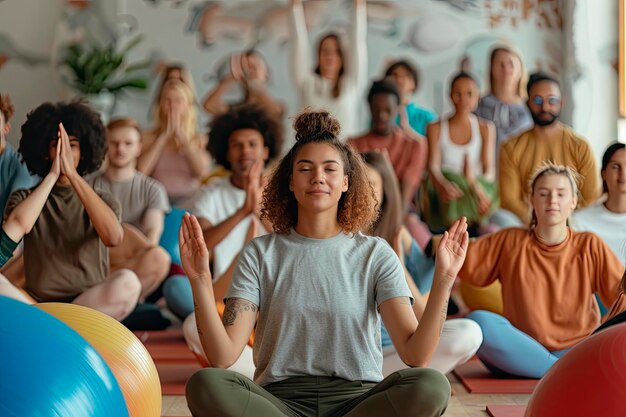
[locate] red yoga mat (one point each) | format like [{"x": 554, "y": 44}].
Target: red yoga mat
[
  {"x": 174, "y": 361},
  {"x": 167, "y": 346},
  {"x": 479, "y": 380},
  {"x": 174, "y": 377},
  {"x": 506, "y": 410}
]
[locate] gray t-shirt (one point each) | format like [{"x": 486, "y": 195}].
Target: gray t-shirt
[
  {"x": 136, "y": 196},
  {"x": 318, "y": 303}
]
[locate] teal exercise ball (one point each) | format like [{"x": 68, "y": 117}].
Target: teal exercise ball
[{"x": 50, "y": 370}]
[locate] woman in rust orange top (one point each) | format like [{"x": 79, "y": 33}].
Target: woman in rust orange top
[{"x": 549, "y": 274}]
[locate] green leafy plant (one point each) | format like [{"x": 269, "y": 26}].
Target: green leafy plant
[{"x": 94, "y": 69}]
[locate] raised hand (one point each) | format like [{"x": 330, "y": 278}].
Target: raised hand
[
  {"x": 55, "y": 169},
  {"x": 236, "y": 68},
  {"x": 483, "y": 200},
  {"x": 452, "y": 250},
  {"x": 169, "y": 127},
  {"x": 448, "y": 191},
  {"x": 194, "y": 254},
  {"x": 404, "y": 117},
  {"x": 65, "y": 154},
  {"x": 179, "y": 136},
  {"x": 253, "y": 187}
]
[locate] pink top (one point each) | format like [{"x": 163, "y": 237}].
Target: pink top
[
  {"x": 407, "y": 155},
  {"x": 173, "y": 171}
]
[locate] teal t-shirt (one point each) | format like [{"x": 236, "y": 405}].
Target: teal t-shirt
[
  {"x": 7, "y": 247},
  {"x": 419, "y": 117}
]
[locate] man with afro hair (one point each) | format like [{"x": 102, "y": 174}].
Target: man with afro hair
[
  {"x": 243, "y": 140},
  {"x": 66, "y": 254}
]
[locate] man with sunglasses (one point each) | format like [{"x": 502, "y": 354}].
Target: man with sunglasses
[{"x": 547, "y": 140}]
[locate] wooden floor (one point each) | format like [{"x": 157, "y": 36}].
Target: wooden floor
[{"x": 462, "y": 403}]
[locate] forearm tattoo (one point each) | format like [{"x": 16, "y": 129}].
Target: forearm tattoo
[
  {"x": 442, "y": 317},
  {"x": 196, "y": 310},
  {"x": 233, "y": 307}
]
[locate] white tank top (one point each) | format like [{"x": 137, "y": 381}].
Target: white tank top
[{"x": 452, "y": 155}]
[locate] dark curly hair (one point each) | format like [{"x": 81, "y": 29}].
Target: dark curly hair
[
  {"x": 244, "y": 116},
  {"x": 79, "y": 120},
  {"x": 357, "y": 206}
]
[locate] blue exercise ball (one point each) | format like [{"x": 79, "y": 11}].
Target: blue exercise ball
[
  {"x": 169, "y": 238},
  {"x": 50, "y": 370}
]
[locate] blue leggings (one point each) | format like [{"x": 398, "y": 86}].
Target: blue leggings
[
  {"x": 507, "y": 350},
  {"x": 178, "y": 296}
]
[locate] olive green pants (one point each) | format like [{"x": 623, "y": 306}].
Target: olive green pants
[{"x": 420, "y": 392}]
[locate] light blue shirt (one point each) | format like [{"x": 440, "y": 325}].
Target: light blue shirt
[{"x": 13, "y": 175}]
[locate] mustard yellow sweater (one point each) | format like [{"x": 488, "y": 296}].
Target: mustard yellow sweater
[{"x": 519, "y": 157}]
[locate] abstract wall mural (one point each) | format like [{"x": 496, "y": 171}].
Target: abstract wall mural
[
  {"x": 436, "y": 34},
  {"x": 10, "y": 50}
]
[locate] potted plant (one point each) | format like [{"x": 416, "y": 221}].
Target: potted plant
[{"x": 100, "y": 73}]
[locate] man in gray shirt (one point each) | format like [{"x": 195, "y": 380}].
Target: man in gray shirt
[{"x": 144, "y": 203}]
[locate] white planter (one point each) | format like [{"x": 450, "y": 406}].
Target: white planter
[{"x": 103, "y": 103}]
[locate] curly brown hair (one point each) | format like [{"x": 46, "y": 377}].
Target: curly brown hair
[{"x": 357, "y": 206}]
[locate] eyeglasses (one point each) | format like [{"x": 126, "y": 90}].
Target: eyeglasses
[{"x": 552, "y": 100}]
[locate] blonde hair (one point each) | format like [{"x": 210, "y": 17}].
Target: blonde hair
[
  {"x": 189, "y": 116},
  {"x": 521, "y": 84},
  {"x": 550, "y": 168}
]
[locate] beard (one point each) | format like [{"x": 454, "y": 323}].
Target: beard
[{"x": 539, "y": 121}]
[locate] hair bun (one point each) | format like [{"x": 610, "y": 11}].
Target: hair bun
[{"x": 313, "y": 125}]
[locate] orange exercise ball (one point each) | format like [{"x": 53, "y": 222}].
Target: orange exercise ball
[
  {"x": 127, "y": 357},
  {"x": 589, "y": 380}
]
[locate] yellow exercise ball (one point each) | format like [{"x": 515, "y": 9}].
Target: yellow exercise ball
[
  {"x": 483, "y": 298},
  {"x": 127, "y": 357}
]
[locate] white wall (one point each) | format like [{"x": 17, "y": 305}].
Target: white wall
[
  {"x": 434, "y": 34},
  {"x": 30, "y": 27},
  {"x": 32, "y": 32},
  {"x": 595, "y": 94}
]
